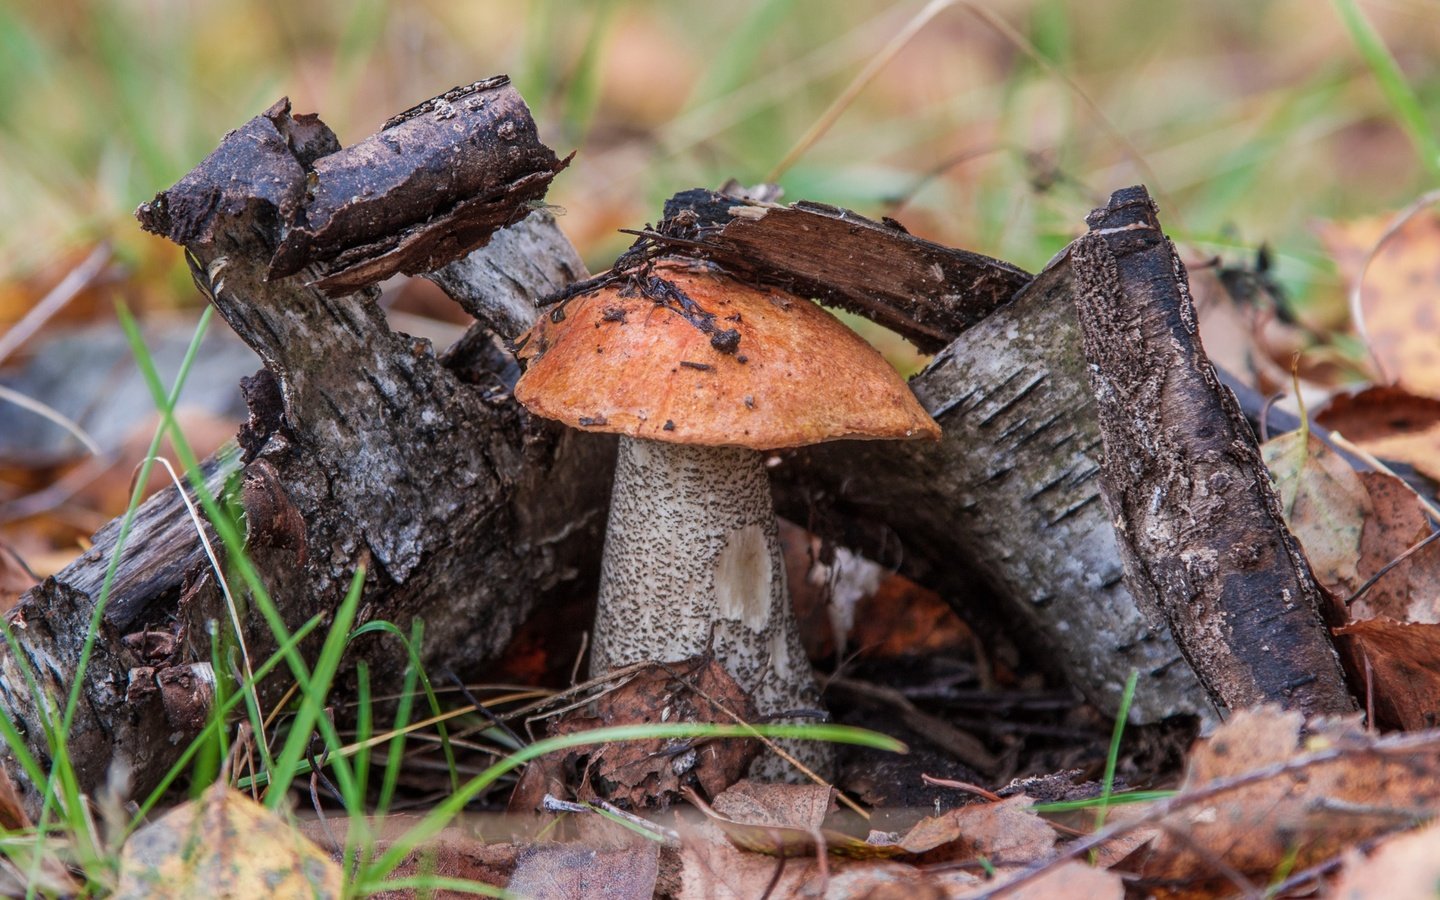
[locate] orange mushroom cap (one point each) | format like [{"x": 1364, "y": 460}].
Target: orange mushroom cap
[{"x": 630, "y": 365}]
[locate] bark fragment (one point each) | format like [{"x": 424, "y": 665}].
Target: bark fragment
[
  {"x": 923, "y": 291},
  {"x": 1197, "y": 519}
]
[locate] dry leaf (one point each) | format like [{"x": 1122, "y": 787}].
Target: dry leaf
[
  {"x": 1398, "y": 301},
  {"x": 1404, "y": 867},
  {"x": 1403, "y": 672},
  {"x": 783, "y": 820},
  {"x": 1410, "y": 591},
  {"x": 1312, "y": 812},
  {"x": 563, "y": 871},
  {"x": 646, "y": 774},
  {"x": 1071, "y": 881},
  {"x": 1325, "y": 505},
  {"x": 1007, "y": 833},
  {"x": 222, "y": 846},
  {"x": 872, "y": 612},
  {"x": 1389, "y": 422},
  {"x": 713, "y": 868}
]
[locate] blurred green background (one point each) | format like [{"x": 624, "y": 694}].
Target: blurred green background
[{"x": 1249, "y": 120}]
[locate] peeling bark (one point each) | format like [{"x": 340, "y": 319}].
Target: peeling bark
[
  {"x": 923, "y": 291},
  {"x": 1199, "y": 525}
]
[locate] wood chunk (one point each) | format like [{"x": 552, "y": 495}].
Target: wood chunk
[{"x": 1197, "y": 519}]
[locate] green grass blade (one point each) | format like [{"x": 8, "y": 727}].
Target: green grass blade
[
  {"x": 729, "y": 66},
  {"x": 452, "y": 805},
  {"x": 395, "y": 752},
  {"x": 1112, "y": 757},
  {"x": 312, "y": 700},
  {"x": 583, "y": 95},
  {"x": 223, "y": 524},
  {"x": 412, "y": 649},
  {"x": 1392, "y": 84}
]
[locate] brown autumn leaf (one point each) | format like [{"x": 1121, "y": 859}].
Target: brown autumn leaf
[
  {"x": 1007, "y": 833},
  {"x": 1389, "y": 422},
  {"x": 783, "y": 820},
  {"x": 1400, "y": 288},
  {"x": 563, "y": 871},
  {"x": 646, "y": 774},
  {"x": 1299, "y": 815},
  {"x": 728, "y": 857},
  {"x": 1399, "y": 665},
  {"x": 871, "y": 612},
  {"x": 458, "y": 851},
  {"x": 223, "y": 846},
  {"x": 1325, "y": 505},
  {"x": 1403, "y": 867},
  {"x": 1410, "y": 591}
]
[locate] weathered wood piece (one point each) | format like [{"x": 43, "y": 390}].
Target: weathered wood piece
[
  {"x": 1198, "y": 523},
  {"x": 923, "y": 291},
  {"x": 425, "y": 190},
  {"x": 362, "y": 447}
]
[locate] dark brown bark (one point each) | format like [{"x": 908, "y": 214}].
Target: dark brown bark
[
  {"x": 362, "y": 447},
  {"x": 1198, "y": 522},
  {"x": 923, "y": 291},
  {"x": 428, "y": 188}
]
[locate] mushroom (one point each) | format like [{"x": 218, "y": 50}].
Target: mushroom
[{"x": 699, "y": 372}]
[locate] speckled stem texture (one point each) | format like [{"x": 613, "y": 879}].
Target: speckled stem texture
[
  {"x": 1197, "y": 520},
  {"x": 692, "y": 564}
]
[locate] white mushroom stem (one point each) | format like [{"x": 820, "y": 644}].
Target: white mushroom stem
[{"x": 693, "y": 563}]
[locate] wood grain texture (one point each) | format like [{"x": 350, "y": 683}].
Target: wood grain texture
[{"x": 924, "y": 291}]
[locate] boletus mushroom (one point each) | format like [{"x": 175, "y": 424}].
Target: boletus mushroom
[{"x": 699, "y": 372}]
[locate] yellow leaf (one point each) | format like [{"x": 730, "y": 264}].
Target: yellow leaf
[{"x": 224, "y": 846}]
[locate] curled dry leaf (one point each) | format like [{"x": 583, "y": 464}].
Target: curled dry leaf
[
  {"x": 647, "y": 774},
  {"x": 785, "y": 820},
  {"x": 757, "y": 832},
  {"x": 1396, "y": 663},
  {"x": 1398, "y": 299},
  {"x": 871, "y": 612},
  {"x": 1007, "y": 833},
  {"x": 1409, "y": 592},
  {"x": 1299, "y": 816},
  {"x": 222, "y": 846}
]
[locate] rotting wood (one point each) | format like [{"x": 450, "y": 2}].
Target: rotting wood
[
  {"x": 1197, "y": 520},
  {"x": 425, "y": 190},
  {"x": 362, "y": 445}
]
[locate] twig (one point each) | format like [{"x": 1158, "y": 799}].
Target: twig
[{"x": 71, "y": 285}]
